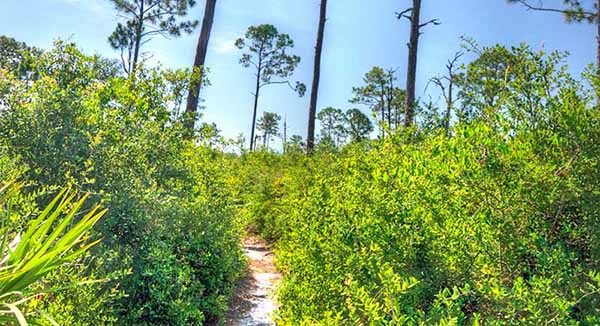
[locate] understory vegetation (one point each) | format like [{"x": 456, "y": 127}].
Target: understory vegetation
[
  {"x": 494, "y": 224},
  {"x": 482, "y": 211},
  {"x": 170, "y": 251}
]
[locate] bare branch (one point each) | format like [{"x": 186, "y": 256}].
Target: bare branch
[
  {"x": 451, "y": 63},
  {"x": 278, "y": 82},
  {"x": 439, "y": 82},
  {"x": 560, "y": 11},
  {"x": 125, "y": 67},
  {"x": 404, "y": 14},
  {"x": 432, "y": 21},
  {"x": 161, "y": 32}
]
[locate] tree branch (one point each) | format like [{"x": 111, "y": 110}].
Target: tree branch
[
  {"x": 126, "y": 7},
  {"x": 439, "y": 82},
  {"x": 451, "y": 63},
  {"x": 255, "y": 65},
  {"x": 434, "y": 21},
  {"x": 150, "y": 7},
  {"x": 159, "y": 14},
  {"x": 154, "y": 32},
  {"x": 278, "y": 82},
  {"x": 125, "y": 67},
  {"x": 403, "y": 14},
  {"x": 560, "y": 11}
]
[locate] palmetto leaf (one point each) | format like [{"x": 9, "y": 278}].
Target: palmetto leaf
[
  {"x": 51, "y": 240},
  {"x": 17, "y": 313}
]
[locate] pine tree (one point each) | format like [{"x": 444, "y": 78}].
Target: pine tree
[
  {"x": 312, "y": 110},
  {"x": 201, "y": 49},
  {"x": 147, "y": 18},
  {"x": 413, "y": 46},
  {"x": 267, "y": 53}
]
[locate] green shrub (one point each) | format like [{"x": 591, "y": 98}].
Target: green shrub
[
  {"x": 171, "y": 243},
  {"x": 496, "y": 225},
  {"x": 494, "y": 222},
  {"x": 52, "y": 240}
]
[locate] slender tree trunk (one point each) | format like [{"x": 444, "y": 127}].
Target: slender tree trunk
[
  {"x": 397, "y": 119},
  {"x": 136, "y": 52},
  {"x": 284, "y": 133},
  {"x": 138, "y": 38},
  {"x": 411, "y": 75},
  {"x": 201, "y": 49},
  {"x": 449, "y": 106},
  {"x": 256, "y": 92},
  {"x": 312, "y": 110},
  {"x": 382, "y": 103},
  {"x": 390, "y": 98}
]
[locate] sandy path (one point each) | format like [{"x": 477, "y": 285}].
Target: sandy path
[{"x": 253, "y": 302}]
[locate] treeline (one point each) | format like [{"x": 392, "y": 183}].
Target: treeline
[
  {"x": 482, "y": 210},
  {"x": 268, "y": 53}
]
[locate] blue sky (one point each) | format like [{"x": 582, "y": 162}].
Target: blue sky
[{"x": 359, "y": 35}]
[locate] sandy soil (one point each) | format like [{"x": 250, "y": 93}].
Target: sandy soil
[{"x": 254, "y": 302}]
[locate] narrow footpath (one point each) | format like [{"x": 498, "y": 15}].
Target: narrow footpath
[{"x": 254, "y": 301}]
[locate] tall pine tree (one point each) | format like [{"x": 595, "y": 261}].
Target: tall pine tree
[
  {"x": 199, "y": 60},
  {"x": 267, "y": 53},
  {"x": 413, "y": 45},
  {"x": 312, "y": 110}
]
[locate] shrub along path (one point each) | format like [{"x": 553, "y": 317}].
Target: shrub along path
[{"x": 253, "y": 302}]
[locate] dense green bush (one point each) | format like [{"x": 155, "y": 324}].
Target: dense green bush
[
  {"x": 496, "y": 225},
  {"x": 493, "y": 222},
  {"x": 171, "y": 243}
]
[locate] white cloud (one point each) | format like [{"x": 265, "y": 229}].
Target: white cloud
[{"x": 224, "y": 46}]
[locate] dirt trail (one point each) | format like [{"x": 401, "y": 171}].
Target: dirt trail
[{"x": 253, "y": 302}]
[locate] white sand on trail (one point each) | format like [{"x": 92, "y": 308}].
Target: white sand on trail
[{"x": 254, "y": 301}]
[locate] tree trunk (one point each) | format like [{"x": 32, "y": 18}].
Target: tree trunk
[
  {"x": 382, "y": 103},
  {"x": 138, "y": 39},
  {"x": 383, "y": 109},
  {"x": 257, "y": 90},
  {"x": 201, "y": 49},
  {"x": 390, "y": 98},
  {"x": 136, "y": 52},
  {"x": 284, "y": 133},
  {"x": 389, "y": 115},
  {"x": 449, "y": 106},
  {"x": 312, "y": 110},
  {"x": 411, "y": 75}
]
